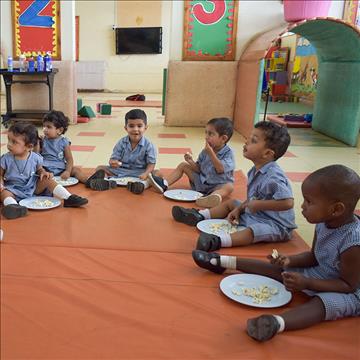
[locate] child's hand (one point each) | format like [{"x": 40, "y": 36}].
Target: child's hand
[
  {"x": 279, "y": 260},
  {"x": 143, "y": 176},
  {"x": 294, "y": 281},
  {"x": 114, "y": 163},
  {"x": 46, "y": 175},
  {"x": 188, "y": 157},
  {"x": 233, "y": 216},
  {"x": 208, "y": 148},
  {"x": 2, "y": 187},
  {"x": 65, "y": 175}
]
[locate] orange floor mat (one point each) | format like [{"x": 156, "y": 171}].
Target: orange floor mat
[
  {"x": 136, "y": 104},
  {"x": 116, "y": 280}
]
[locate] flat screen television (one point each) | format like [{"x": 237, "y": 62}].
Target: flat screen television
[{"x": 145, "y": 40}]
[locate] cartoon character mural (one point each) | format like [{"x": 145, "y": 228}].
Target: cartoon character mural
[{"x": 305, "y": 70}]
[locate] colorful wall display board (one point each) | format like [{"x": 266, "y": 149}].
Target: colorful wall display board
[
  {"x": 36, "y": 27},
  {"x": 210, "y": 30},
  {"x": 305, "y": 70},
  {"x": 352, "y": 12}
]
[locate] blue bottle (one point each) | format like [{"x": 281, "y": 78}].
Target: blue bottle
[
  {"x": 31, "y": 64},
  {"x": 10, "y": 64},
  {"x": 48, "y": 63},
  {"x": 40, "y": 63}
]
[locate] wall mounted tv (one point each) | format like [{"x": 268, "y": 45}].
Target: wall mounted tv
[{"x": 140, "y": 40}]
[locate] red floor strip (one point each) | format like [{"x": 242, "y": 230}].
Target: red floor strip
[
  {"x": 165, "y": 150},
  {"x": 91, "y": 133},
  {"x": 172, "y": 136},
  {"x": 297, "y": 176},
  {"x": 82, "y": 148}
]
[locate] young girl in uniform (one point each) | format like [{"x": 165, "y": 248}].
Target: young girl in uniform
[{"x": 22, "y": 174}]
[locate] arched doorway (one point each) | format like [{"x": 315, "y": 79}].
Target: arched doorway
[{"x": 337, "y": 103}]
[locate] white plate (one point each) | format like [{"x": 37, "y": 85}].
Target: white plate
[
  {"x": 233, "y": 287},
  {"x": 40, "y": 202},
  {"x": 122, "y": 181},
  {"x": 217, "y": 227},
  {"x": 182, "y": 195},
  {"x": 69, "y": 182}
]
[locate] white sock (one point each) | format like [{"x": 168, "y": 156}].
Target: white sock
[
  {"x": 9, "y": 200},
  {"x": 146, "y": 183},
  {"x": 225, "y": 240},
  {"x": 61, "y": 192},
  {"x": 281, "y": 322},
  {"x": 205, "y": 213},
  {"x": 228, "y": 262}
]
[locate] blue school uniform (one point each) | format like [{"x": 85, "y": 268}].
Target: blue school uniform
[
  {"x": 134, "y": 161},
  {"x": 207, "y": 180},
  {"x": 268, "y": 183},
  {"x": 20, "y": 175},
  {"x": 329, "y": 245},
  {"x": 53, "y": 154}
]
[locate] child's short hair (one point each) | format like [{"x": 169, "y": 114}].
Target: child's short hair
[
  {"x": 28, "y": 131},
  {"x": 135, "y": 114},
  {"x": 57, "y": 118},
  {"x": 277, "y": 137},
  {"x": 338, "y": 183},
  {"x": 223, "y": 126}
]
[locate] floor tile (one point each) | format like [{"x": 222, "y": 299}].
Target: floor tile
[
  {"x": 166, "y": 150},
  {"x": 91, "y": 133}
]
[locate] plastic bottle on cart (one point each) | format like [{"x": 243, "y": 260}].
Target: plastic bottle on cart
[
  {"x": 31, "y": 64},
  {"x": 22, "y": 60},
  {"x": 10, "y": 64},
  {"x": 40, "y": 63},
  {"x": 48, "y": 63}
]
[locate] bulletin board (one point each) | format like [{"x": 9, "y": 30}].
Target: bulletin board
[
  {"x": 352, "y": 12},
  {"x": 36, "y": 27},
  {"x": 210, "y": 30}
]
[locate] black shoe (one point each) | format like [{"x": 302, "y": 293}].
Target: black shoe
[
  {"x": 158, "y": 183},
  {"x": 102, "y": 184},
  {"x": 75, "y": 201},
  {"x": 202, "y": 259},
  {"x": 208, "y": 242},
  {"x": 100, "y": 174},
  {"x": 262, "y": 328},
  {"x": 14, "y": 211},
  {"x": 136, "y": 187},
  {"x": 187, "y": 216}
]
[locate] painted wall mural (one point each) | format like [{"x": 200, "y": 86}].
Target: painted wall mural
[
  {"x": 352, "y": 12},
  {"x": 36, "y": 27},
  {"x": 305, "y": 70},
  {"x": 210, "y": 30}
]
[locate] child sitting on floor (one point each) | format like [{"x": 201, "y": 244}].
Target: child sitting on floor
[
  {"x": 22, "y": 174},
  {"x": 329, "y": 273},
  {"x": 213, "y": 172},
  {"x": 56, "y": 152},
  {"x": 267, "y": 214},
  {"x": 133, "y": 155}
]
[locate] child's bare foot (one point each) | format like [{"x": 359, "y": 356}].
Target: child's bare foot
[{"x": 262, "y": 328}]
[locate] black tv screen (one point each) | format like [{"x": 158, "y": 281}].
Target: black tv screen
[{"x": 139, "y": 40}]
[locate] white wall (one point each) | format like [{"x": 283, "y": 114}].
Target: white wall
[{"x": 124, "y": 73}]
